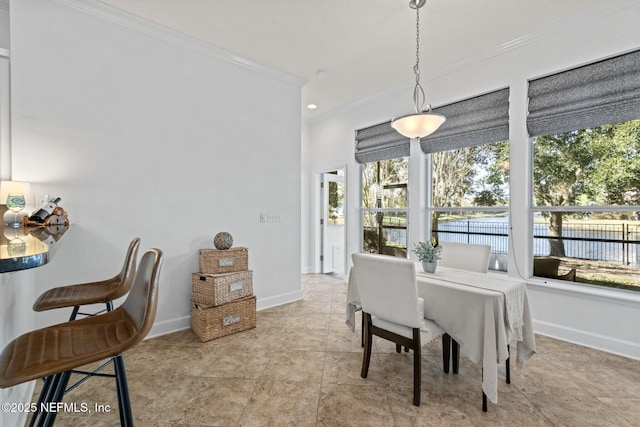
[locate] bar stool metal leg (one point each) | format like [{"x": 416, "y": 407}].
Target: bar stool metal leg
[
  {"x": 124, "y": 404},
  {"x": 47, "y": 387},
  {"x": 47, "y": 418}
]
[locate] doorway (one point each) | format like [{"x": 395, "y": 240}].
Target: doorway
[{"x": 332, "y": 223}]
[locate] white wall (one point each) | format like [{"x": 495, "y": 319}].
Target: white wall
[
  {"x": 146, "y": 133},
  {"x": 149, "y": 134},
  {"x": 603, "y": 319},
  {"x": 4, "y": 24},
  {"x": 5, "y": 116}
]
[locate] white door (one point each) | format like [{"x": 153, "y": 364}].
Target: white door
[{"x": 332, "y": 223}]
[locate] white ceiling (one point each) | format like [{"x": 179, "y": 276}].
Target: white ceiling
[{"x": 363, "y": 46}]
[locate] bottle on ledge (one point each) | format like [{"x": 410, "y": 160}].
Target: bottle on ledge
[{"x": 47, "y": 209}]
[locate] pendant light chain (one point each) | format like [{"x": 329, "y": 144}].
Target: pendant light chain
[
  {"x": 416, "y": 68},
  {"x": 418, "y": 92},
  {"x": 424, "y": 122}
]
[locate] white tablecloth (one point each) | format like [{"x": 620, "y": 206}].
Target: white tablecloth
[
  {"x": 514, "y": 291},
  {"x": 482, "y": 312}
]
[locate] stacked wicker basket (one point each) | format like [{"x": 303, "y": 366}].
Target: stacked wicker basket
[{"x": 222, "y": 300}]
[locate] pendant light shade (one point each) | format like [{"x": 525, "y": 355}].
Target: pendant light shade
[
  {"x": 417, "y": 125},
  {"x": 423, "y": 122}
]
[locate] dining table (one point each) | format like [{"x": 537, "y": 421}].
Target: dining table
[{"x": 483, "y": 312}]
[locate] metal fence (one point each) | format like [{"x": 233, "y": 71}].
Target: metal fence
[{"x": 600, "y": 242}]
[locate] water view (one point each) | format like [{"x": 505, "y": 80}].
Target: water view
[{"x": 613, "y": 242}]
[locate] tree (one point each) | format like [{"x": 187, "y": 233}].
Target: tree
[
  {"x": 452, "y": 176},
  {"x": 492, "y": 188},
  {"x": 614, "y": 177},
  {"x": 597, "y": 165},
  {"x": 476, "y": 175}
]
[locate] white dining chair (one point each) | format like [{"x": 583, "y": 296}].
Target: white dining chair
[
  {"x": 391, "y": 309},
  {"x": 465, "y": 256},
  {"x": 469, "y": 257}
]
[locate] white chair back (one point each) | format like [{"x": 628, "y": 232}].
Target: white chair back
[
  {"x": 387, "y": 287},
  {"x": 465, "y": 256}
]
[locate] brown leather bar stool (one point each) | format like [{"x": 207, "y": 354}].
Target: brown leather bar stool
[
  {"x": 53, "y": 352},
  {"x": 102, "y": 292}
]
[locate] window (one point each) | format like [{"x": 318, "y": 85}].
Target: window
[
  {"x": 470, "y": 198},
  {"x": 384, "y": 157},
  {"x": 469, "y": 173},
  {"x": 586, "y": 186},
  {"x": 384, "y": 207},
  {"x": 586, "y": 173}
]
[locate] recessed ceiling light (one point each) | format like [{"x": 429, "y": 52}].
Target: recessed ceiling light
[{"x": 312, "y": 106}]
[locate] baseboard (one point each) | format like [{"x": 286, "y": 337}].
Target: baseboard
[
  {"x": 169, "y": 326},
  {"x": 274, "y": 301},
  {"x": 588, "y": 339},
  {"x": 174, "y": 325}
]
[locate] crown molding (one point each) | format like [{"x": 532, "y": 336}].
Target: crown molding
[
  {"x": 579, "y": 20},
  {"x": 159, "y": 32}
]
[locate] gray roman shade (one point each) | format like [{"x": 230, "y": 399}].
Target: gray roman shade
[
  {"x": 604, "y": 92},
  {"x": 380, "y": 142},
  {"x": 474, "y": 121}
]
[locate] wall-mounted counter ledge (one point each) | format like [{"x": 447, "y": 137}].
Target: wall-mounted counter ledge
[{"x": 28, "y": 247}]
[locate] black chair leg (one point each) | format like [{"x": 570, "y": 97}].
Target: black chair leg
[
  {"x": 446, "y": 352},
  {"x": 417, "y": 367},
  {"x": 508, "y": 366},
  {"x": 484, "y": 397},
  {"x": 398, "y": 348},
  {"x": 455, "y": 355},
  {"x": 367, "y": 346},
  {"x": 124, "y": 404}
]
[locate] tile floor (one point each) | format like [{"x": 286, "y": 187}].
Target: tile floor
[{"x": 301, "y": 367}]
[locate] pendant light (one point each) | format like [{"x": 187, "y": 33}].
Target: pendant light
[{"x": 423, "y": 122}]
